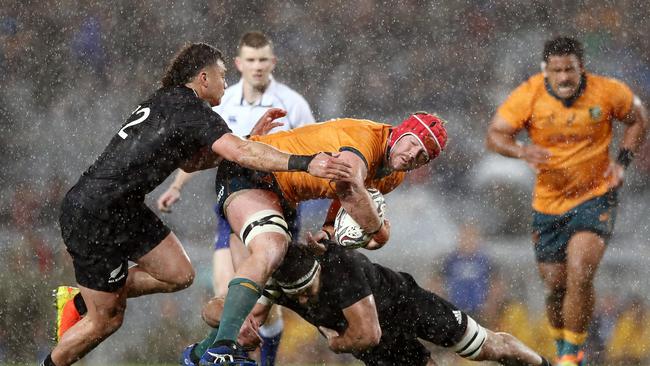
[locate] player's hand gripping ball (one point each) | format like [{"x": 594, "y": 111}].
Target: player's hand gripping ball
[{"x": 348, "y": 233}]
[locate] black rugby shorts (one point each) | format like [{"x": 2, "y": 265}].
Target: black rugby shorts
[{"x": 102, "y": 241}]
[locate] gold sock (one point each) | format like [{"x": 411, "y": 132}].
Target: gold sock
[{"x": 574, "y": 337}]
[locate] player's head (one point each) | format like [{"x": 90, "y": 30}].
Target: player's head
[
  {"x": 416, "y": 141},
  {"x": 299, "y": 275},
  {"x": 255, "y": 59},
  {"x": 201, "y": 67},
  {"x": 563, "y": 65}
]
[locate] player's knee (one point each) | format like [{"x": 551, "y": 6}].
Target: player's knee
[
  {"x": 581, "y": 276},
  {"x": 375, "y": 337},
  {"x": 211, "y": 312},
  {"x": 268, "y": 255},
  {"x": 115, "y": 322},
  {"x": 186, "y": 279},
  {"x": 182, "y": 279}
]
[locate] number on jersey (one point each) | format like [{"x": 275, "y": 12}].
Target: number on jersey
[{"x": 145, "y": 114}]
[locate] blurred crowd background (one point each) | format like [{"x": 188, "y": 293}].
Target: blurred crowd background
[{"x": 72, "y": 71}]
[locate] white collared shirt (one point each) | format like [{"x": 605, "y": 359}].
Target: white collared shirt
[{"x": 242, "y": 116}]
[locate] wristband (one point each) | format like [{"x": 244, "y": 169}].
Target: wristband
[
  {"x": 329, "y": 237},
  {"x": 299, "y": 162},
  {"x": 624, "y": 157}
]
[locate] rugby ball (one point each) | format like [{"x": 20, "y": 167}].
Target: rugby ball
[{"x": 348, "y": 233}]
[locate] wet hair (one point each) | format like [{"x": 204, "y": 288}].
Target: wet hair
[
  {"x": 254, "y": 39},
  {"x": 188, "y": 62},
  {"x": 562, "y": 46},
  {"x": 296, "y": 264}
]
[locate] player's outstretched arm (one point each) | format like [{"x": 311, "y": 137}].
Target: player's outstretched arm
[
  {"x": 173, "y": 193},
  {"x": 363, "y": 329},
  {"x": 259, "y": 156}
]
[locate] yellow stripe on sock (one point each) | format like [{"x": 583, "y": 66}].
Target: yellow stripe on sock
[
  {"x": 249, "y": 286},
  {"x": 556, "y": 333},
  {"x": 575, "y": 338}
]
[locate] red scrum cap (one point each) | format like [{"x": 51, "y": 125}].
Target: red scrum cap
[{"x": 429, "y": 129}]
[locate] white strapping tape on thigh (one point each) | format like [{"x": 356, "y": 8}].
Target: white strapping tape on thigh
[
  {"x": 265, "y": 221},
  {"x": 470, "y": 346}
]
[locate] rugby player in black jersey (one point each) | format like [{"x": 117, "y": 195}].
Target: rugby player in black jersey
[
  {"x": 374, "y": 313},
  {"x": 104, "y": 221}
]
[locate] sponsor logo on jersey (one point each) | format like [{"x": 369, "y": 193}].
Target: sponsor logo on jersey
[
  {"x": 595, "y": 112},
  {"x": 232, "y": 119}
]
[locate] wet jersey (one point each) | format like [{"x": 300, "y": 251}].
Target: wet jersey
[
  {"x": 577, "y": 135},
  {"x": 162, "y": 133},
  {"x": 347, "y": 276},
  {"x": 365, "y": 138}
]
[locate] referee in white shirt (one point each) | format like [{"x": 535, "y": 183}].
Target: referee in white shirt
[{"x": 242, "y": 105}]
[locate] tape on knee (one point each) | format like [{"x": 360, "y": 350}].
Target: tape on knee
[
  {"x": 266, "y": 221},
  {"x": 470, "y": 346}
]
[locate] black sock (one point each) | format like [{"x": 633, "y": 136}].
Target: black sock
[
  {"x": 48, "y": 361},
  {"x": 80, "y": 304}
]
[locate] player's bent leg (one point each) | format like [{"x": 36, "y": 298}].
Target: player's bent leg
[
  {"x": 554, "y": 277},
  {"x": 584, "y": 253},
  {"x": 257, "y": 216},
  {"x": 211, "y": 312},
  {"x": 166, "y": 268},
  {"x": 104, "y": 316}
]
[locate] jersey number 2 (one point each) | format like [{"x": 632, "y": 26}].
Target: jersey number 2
[{"x": 145, "y": 114}]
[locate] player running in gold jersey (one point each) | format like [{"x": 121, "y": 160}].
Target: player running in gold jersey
[{"x": 568, "y": 114}]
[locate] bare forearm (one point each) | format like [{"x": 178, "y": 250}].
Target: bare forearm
[
  {"x": 635, "y": 132},
  {"x": 357, "y": 202},
  {"x": 633, "y": 137},
  {"x": 504, "y": 144},
  {"x": 346, "y": 343},
  {"x": 259, "y": 156}
]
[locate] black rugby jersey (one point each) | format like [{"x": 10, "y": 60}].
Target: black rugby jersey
[
  {"x": 161, "y": 134},
  {"x": 348, "y": 276}
]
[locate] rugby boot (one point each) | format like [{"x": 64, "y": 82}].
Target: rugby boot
[
  {"x": 226, "y": 353},
  {"x": 186, "y": 356},
  {"x": 571, "y": 360},
  {"x": 66, "y": 312}
]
